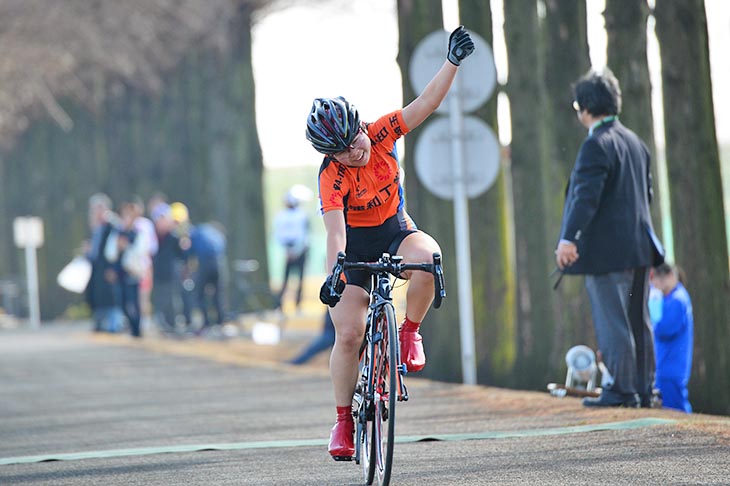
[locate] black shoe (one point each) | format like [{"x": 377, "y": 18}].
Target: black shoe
[
  {"x": 630, "y": 400},
  {"x": 652, "y": 400}
]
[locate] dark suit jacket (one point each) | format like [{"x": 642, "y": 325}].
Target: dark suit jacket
[{"x": 607, "y": 201}]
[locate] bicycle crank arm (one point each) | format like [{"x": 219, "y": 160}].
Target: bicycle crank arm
[{"x": 403, "y": 389}]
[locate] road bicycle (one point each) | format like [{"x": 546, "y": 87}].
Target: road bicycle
[{"x": 380, "y": 384}]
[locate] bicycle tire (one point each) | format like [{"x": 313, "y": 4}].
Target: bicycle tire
[
  {"x": 359, "y": 407},
  {"x": 383, "y": 426},
  {"x": 367, "y": 408}
]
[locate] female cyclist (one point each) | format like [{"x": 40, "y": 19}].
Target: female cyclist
[{"x": 363, "y": 211}]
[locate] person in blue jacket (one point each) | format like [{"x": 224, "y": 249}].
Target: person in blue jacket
[
  {"x": 205, "y": 248},
  {"x": 673, "y": 338}
]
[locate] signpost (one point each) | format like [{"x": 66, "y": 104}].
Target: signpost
[
  {"x": 28, "y": 234},
  {"x": 475, "y": 80},
  {"x": 467, "y": 168},
  {"x": 433, "y": 157}
]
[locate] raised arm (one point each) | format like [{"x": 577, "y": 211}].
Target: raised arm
[{"x": 460, "y": 46}]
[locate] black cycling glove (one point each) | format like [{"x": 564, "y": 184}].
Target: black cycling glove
[
  {"x": 324, "y": 293},
  {"x": 460, "y": 46}
]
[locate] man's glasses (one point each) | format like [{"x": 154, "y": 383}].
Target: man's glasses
[{"x": 576, "y": 106}]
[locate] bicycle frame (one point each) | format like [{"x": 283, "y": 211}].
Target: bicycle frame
[
  {"x": 364, "y": 401},
  {"x": 380, "y": 361}
]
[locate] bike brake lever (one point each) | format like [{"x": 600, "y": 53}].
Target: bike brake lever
[
  {"x": 337, "y": 273},
  {"x": 439, "y": 284}
]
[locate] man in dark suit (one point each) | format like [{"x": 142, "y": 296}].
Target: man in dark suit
[{"x": 607, "y": 235}]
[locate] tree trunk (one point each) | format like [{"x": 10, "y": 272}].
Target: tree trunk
[
  {"x": 493, "y": 277},
  {"x": 6, "y": 240},
  {"x": 566, "y": 59},
  {"x": 696, "y": 194},
  {"x": 493, "y": 294},
  {"x": 417, "y": 19},
  {"x": 626, "y": 28},
  {"x": 529, "y": 163}
]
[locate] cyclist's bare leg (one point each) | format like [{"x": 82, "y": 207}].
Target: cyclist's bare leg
[
  {"x": 349, "y": 317},
  {"x": 418, "y": 247}
]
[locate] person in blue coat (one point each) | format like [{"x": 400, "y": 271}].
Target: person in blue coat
[
  {"x": 673, "y": 338},
  {"x": 205, "y": 248}
]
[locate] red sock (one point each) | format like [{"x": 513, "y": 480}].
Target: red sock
[
  {"x": 409, "y": 325},
  {"x": 344, "y": 412}
]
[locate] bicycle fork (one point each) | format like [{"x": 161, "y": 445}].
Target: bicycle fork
[{"x": 402, "y": 371}]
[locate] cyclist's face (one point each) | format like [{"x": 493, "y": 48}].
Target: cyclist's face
[{"x": 358, "y": 154}]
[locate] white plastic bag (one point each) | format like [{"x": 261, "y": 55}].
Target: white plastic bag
[{"x": 75, "y": 276}]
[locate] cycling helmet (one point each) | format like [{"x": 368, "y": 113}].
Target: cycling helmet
[{"x": 332, "y": 124}]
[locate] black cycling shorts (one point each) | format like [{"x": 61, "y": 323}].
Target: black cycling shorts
[{"x": 367, "y": 244}]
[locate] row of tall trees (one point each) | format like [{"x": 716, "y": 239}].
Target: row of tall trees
[
  {"x": 195, "y": 140},
  {"x": 523, "y": 327}
]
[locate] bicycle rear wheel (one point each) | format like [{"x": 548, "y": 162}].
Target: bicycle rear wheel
[{"x": 382, "y": 431}]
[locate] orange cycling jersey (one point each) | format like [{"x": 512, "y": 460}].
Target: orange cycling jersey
[{"x": 371, "y": 194}]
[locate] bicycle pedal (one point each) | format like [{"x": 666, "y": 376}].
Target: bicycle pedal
[
  {"x": 403, "y": 369},
  {"x": 342, "y": 458}
]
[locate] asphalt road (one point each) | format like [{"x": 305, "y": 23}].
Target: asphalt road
[{"x": 79, "y": 409}]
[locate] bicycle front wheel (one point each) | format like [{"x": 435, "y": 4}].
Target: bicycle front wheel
[{"x": 385, "y": 381}]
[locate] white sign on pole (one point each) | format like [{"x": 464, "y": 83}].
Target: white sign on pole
[
  {"x": 458, "y": 158},
  {"x": 28, "y": 234},
  {"x": 477, "y": 75},
  {"x": 433, "y": 157}
]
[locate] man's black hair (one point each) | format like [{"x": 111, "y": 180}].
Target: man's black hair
[{"x": 599, "y": 93}]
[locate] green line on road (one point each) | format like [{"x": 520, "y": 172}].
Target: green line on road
[
  {"x": 577, "y": 429},
  {"x": 278, "y": 444}
]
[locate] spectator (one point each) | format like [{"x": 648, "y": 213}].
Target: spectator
[
  {"x": 205, "y": 250},
  {"x": 181, "y": 216},
  {"x": 607, "y": 235},
  {"x": 145, "y": 230},
  {"x": 673, "y": 338},
  {"x": 102, "y": 293},
  {"x": 126, "y": 249},
  {"x": 291, "y": 231},
  {"x": 167, "y": 267}
]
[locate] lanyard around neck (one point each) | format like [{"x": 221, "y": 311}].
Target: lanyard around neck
[{"x": 601, "y": 122}]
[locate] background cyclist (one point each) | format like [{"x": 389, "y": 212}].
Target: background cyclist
[{"x": 363, "y": 212}]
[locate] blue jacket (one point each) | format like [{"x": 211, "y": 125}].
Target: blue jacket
[
  {"x": 207, "y": 244},
  {"x": 674, "y": 335}
]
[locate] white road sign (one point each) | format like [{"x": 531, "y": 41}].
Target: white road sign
[
  {"x": 433, "y": 158},
  {"x": 477, "y": 75}
]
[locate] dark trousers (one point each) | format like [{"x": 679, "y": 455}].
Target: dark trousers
[
  {"x": 294, "y": 265},
  {"x": 164, "y": 298},
  {"x": 130, "y": 306},
  {"x": 623, "y": 330},
  {"x": 208, "y": 285}
]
